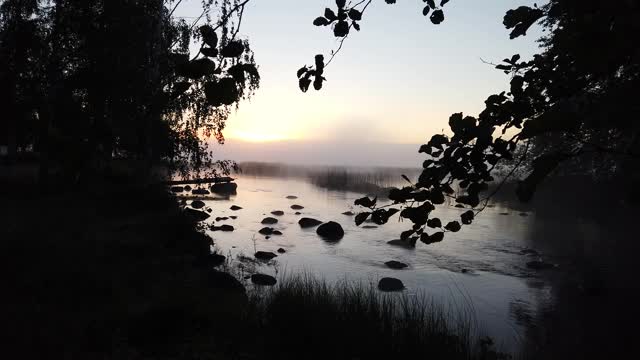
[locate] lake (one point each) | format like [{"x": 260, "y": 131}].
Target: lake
[{"x": 505, "y": 296}]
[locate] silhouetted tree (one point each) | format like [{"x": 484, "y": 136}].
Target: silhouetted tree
[
  {"x": 575, "y": 101},
  {"x": 116, "y": 78}
]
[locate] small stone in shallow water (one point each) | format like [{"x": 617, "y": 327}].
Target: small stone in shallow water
[
  {"x": 524, "y": 214},
  {"x": 298, "y": 213},
  {"x": 269, "y": 221},
  {"x": 233, "y": 217},
  {"x": 200, "y": 192},
  {"x": 277, "y": 212},
  {"x": 197, "y": 204},
  {"x": 297, "y": 207},
  {"x": 504, "y": 213},
  {"x": 282, "y": 251},
  {"x": 292, "y": 197},
  {"x": 177, "y": 189},
  {"x": 390, "y": 284},
  {"x": 403, "y": 243},
  {"x": 264, "y": 280},
  {"x": 235, "y": 208},
  {"x": 226, "y": 228},
  {"x": 222, "y": 218},
  {"x": 276, "y": 232},
  {"x": 266, "y": 231},
  {"x": 264, "y": 255},
  {"x": 308, "y": 222},
  {"x": 187, "y": 188},
  {"x": 348, "y": 213},
  {"x": 209, "y": 211},
  {"x": 396, "y": 264},
  {"x": 369, "y": 227}
]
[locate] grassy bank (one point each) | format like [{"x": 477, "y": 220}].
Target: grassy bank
[{"x": 119, "y": 273}]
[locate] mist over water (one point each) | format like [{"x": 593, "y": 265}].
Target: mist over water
[{"x": 344, "y": 153}]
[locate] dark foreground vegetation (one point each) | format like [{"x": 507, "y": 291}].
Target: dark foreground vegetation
[{"x": 118, "y": 272}]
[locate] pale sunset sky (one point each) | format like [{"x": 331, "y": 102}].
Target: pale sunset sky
[{"x": 394, "y": 84}]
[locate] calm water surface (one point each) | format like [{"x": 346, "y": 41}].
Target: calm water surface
[{"x": 502, "y": 291}]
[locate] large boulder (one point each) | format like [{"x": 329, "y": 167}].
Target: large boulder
[
  {"x": 390, "y": 284},
  {"x": 396, "y": 264},
  {"x": 265, "y": 255},
  {"x": 224, "y": 188},
  {"x": 330, "y": 231},
  {"x": 269, "y": 221},
  {"x": 263, "y": 279},
  {"x": 308, "y": 222}
]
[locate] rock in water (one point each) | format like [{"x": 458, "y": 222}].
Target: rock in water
[
  {"x": 369, "y": 227},
  {"x": 269, "y": 221},
  {"x": 177, "y": 189},
  {"x": 330, "y": 231},
  {"x": 187, "y": 188},
  {"x": 276, "y": 232},
  {"x": 235, "y": 208},
  {"x": 197, "y": 204},
  {"x": 233, "y": 217},
  {"x": 292, "y": 197},
  {"x": 308, "y": 222},
  {"x": 222, "y": 228},
  {"x": 265, "y": 255},
  {"x": 266, "y": 231},
  {"x": 195, "y": 215},
  {"x": 396, "y": 264},
  {"x": 298, "y": 213},
  {"x": 403, "y": 243},
  {"x": 200, "y": 192},
  {"x": 224, "y": 188},
  {"x": 390, "y": 284},
  {"x": 277, "y": 212},
  {"x": 348, "y": 213},
  {"x": 263, "y": 279},
  {"x": 297, "y": 207},
  {"x": 281, "y": 251}
]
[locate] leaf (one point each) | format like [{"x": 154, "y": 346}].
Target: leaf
[
  {"x": 355, "y": 15},
  {"x": 467, "y": 217},
  {"x": 319, "y": 60},
  {"x": 453, "y": 226},
  {"x": 434, "y": 223},
  {"x": 381, "y": 216},
  {"x": 341, "y": 3},
  {"x": 209, "y": 36},
  {"x": 222, "y": 92},
  {"x": 366, "y": 202},
  {"x": 360, "y": 218},
  {"x": 443, "y": 3},
  {"x": 432, "y": 239},
  {"x": 356, "y": 26},
  {"x": 431, "y": 3},
  {"x": 406, "y": 234},
  {"x": 196, "y": 69},
  {"x": 233, "y": 49},
  {"x": 341, "y": 29},
  {"x": 321, "y": 21},
  {"x": 521, "y": 19},
  {"x": 330, "y": 15},
  {"x": 302, "y": 71},
  {"x": 304, "y": 84},
  {"x": 317, "y": 83},
  {"x": 426, "y": 11},
  {"x": 209, "y": 52},
  {"x": 437, "y": 17}
]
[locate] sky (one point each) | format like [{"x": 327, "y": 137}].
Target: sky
[{"x": 393, "y": 85}]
